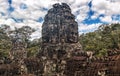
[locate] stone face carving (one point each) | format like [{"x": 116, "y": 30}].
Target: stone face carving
[
  {"x": 59, "y": 38},
  {"x": 60, "y": 25}
]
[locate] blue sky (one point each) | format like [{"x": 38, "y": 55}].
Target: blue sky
[{"x": 90, "y": 14}]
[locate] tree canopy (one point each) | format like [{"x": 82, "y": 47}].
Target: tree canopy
[
  {"x": 9, "y": 36},
  {"x": 106, "y": 37}
]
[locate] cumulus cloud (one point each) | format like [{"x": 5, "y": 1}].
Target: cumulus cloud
[
  {"x": 82, "y": 13},
  {"x": 77, "y": 6},
  {"x": 94, "y": 16},
  {"x": 3, "y": 8},
  {"x": 106, "y": 19},
  {"x": 84, "y": 28},
  {"x": 30, "y": 11},
  {"x": 7, "y": 21},
  {"x": 105, "y": 7}
]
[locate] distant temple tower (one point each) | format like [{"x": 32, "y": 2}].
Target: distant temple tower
[
  {"x": 59, "y": 37},
  {"x": 18, "y": 52}
]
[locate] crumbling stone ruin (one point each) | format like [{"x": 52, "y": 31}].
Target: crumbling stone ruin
[
  {"x": 18, "y": 53},
  {"x": 59, "y": 38},
  {"x": 34, "y": 66},
  {"x": 14, "y": 65},
  {"x": 98, "y": 66}
]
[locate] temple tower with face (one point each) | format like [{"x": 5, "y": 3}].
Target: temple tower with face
[
  {"x": 60, "y": 25},
  {"x": 59, "y": 36}
]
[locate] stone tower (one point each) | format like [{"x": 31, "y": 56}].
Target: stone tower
[
  {"x": 59, "y": 38},
  {"x": 18, "y": 52},
  {"x": 60, "y": 25}
]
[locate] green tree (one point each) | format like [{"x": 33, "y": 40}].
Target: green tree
[
  {"x": 5, "y": 43},
  {"x": 23, "y": 35},
  {"x": 101, "y": 40}
]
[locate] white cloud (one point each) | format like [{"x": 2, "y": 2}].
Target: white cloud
[
  {"x": 3, "y": 8},
  {"x": 81, "y": 17},
  {"x": 106, "y": 7},
  {"x": 106, "y": 19},
  {"x": 81, "y": 2},
  {"x": 100, "y": 6},
  {"x": 77, "y": 5},
  {"x": 79, "y": 8},
  {"x": 114, "y": 8},
  {"x": 36, "y": 34},
  {"x": 7, "y": 21},
  {"x": 94, "y": 16},
  {"x": 81, "y": 12},
  {"x": 84, "y": 28},
  {"x": 33, "y": 11}
]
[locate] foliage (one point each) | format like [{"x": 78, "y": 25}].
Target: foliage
[
  {"x": 9, "y": 36},
  {"x": 34, "y": 47},
  {"x": 5, "y": 43},
  {"x": 104, "y": 38}
]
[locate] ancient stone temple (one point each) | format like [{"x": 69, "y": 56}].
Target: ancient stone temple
[
  {"x": 59, "y": 38},
  {"x": 18, "y": 52}
]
